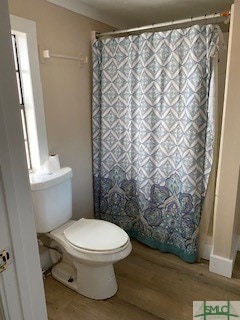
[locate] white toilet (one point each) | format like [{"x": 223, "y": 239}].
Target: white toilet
[{"x": 89, "y": 246}]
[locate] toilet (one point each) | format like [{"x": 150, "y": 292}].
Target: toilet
[{"x": 89, "y": 247}]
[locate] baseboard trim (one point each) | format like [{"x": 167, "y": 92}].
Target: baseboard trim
[
  {"x": 221, "y": 265},
  {"x": 224, "y": 266}
]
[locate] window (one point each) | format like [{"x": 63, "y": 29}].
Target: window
[
  {"x": 25, "y": 50},
  {"x": 21, "y": 101}
]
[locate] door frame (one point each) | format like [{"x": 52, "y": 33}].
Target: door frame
[
  {"x": 227, "y": 200},
  {"x": 25, "y": 261}
]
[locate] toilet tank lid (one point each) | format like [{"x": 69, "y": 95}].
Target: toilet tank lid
[{"x": 39, "y": 182}]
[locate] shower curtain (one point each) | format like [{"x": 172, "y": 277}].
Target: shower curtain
[{"x": 153, "y": 134}]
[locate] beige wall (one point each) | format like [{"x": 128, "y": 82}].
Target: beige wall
[
  {"x": 67, "y": 102},
  {"x": 66, "y": 90}
]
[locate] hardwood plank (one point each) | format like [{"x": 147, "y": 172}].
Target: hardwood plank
[
  {"x": 152, "y": 285},
  {"x": 63, "y": 302}
]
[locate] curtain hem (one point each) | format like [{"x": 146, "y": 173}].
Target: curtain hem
[{"x": 163, "y": 247}]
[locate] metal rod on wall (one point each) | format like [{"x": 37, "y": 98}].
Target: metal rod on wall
[{"x": 223, "y": 15}]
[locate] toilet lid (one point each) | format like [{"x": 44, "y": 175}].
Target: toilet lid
[{"x": 95, "y": 235}]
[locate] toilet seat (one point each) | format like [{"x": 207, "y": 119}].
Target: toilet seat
[{"x": 95, "y": 235}]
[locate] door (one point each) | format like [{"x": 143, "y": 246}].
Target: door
[
  {"x": 10, "y": 303},
  {"x": 2, "y": 317},
  {"x": 21, "y": 285}
]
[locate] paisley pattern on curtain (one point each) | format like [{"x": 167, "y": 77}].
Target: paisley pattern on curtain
[{"x": 153, "y": 134}]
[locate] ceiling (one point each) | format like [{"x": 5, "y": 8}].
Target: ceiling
[{"x": 132, "y": 13}]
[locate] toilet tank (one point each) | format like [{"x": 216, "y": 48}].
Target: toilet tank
[{"x": 52, "y": 199}]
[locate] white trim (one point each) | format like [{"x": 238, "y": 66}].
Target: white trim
[
  {"x": 221, "y": 265},
  {"x": 226, "y": 202},
  {"x": 16, "y": 186},
  {"x": 224, "y": 266},
  {"x": 26, "y": 32},
  {"x": 87, "y": 10}
]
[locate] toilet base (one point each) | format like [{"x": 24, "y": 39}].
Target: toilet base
[
  {"x": 66, "y": 274},
  {"x": 97, "y": 283}
]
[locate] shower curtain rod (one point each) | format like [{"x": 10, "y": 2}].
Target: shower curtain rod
[{"x": 224, "y": 14}]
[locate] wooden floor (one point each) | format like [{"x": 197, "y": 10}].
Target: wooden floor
[{"x": 152, "y": 285}]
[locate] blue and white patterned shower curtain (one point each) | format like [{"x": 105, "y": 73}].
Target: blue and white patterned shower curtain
[{"x": 153, "y": 134}]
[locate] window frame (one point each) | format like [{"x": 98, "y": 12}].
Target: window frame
[
  {"x": 21, "y": 100},
  {"x": 25, "y": 31}
]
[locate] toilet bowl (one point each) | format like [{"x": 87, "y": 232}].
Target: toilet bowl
[
  {"x": 89, "y": 247},
  {"x": 88, "y": 256}
]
